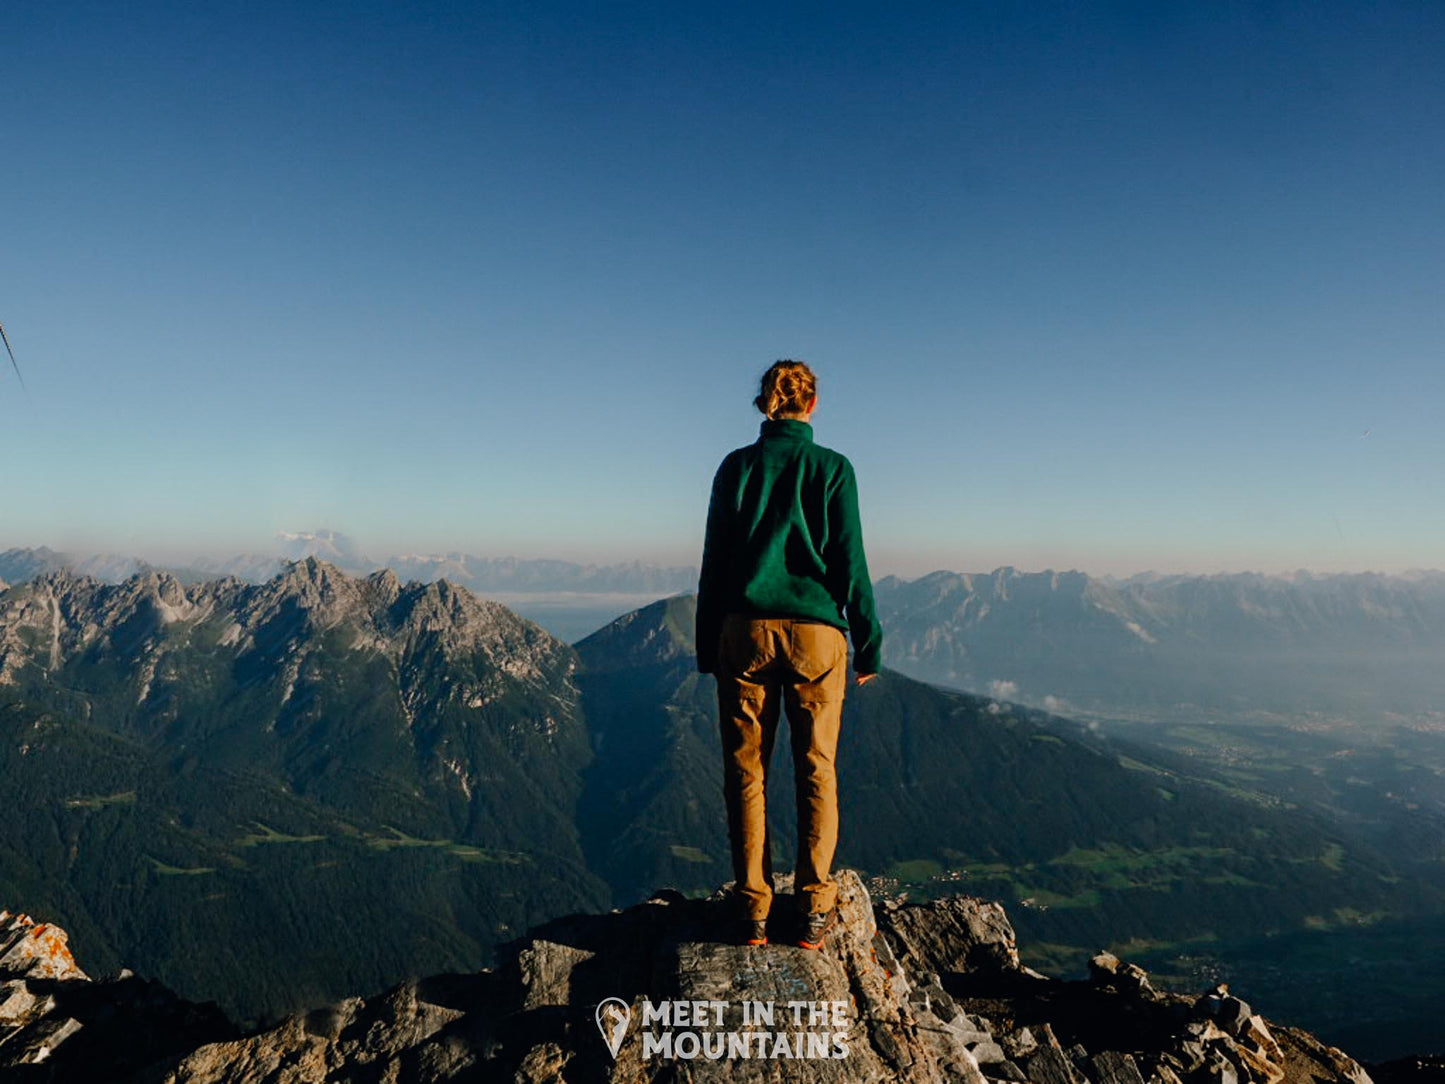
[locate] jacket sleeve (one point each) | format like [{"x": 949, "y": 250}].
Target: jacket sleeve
[
  {"x": 848, "y": 570},
  {"x": 710, "y": 581}
]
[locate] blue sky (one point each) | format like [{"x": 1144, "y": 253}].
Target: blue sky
[{"x": 1103, "y": 286}]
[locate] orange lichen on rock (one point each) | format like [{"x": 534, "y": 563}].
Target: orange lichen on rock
[{"x": 35, "y": 950}]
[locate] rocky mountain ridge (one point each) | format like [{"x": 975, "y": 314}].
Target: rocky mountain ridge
[
  {"x": 476, "y": 573},
  {"x": 1190, "y": 647},
  {"x": 909, "y": 993},
  {"x": 80, "y": 610},
  {"x": 225, "y": 750}
]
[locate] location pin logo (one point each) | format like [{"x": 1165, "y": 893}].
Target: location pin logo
[{"x": 612, "y": 1017}]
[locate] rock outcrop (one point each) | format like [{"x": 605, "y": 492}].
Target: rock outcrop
[
  {"x": 58, "y": 1025},
  {"x": 929, "y": 993}
]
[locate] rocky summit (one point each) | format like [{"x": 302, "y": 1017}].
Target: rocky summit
[{"x": 923, "y": 993}]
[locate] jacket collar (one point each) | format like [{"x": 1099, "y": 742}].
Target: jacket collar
[{"x": 786, "y": 429}]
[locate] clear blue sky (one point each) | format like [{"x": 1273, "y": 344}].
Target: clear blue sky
[{"x": 1105, "y": 286}]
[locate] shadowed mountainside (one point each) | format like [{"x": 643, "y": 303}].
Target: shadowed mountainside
[{"x": 203, "y": 778}]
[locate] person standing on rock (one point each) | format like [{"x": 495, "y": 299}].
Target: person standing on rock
[{"x": 783, "y": 577}]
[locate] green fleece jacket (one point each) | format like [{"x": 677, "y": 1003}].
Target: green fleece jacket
[{"x": 784, "y": 540}]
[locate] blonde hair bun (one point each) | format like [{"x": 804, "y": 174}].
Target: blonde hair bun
[{"x": 787, "y": 388}]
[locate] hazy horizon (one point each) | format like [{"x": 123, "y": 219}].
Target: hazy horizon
[{"x": 905, "y": 567}]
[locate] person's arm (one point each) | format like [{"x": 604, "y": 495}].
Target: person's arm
[
  {"x": 710, "y": 579},
  {"x": 848, "y": 568}
]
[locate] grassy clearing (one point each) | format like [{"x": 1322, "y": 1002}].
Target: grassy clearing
[
  {"x": 1138, "y": 946},
  {"x": 465, "y": 851},
  {"x": 1112, "y": 858},
  {"x": 915, "y": 870},
  {"x": 1139, "y": 766},
  {"x": 176, "y": 871},
  {"x": 1043, "y": 899},
  {"x": 99, "y": 801},
  {"x": 689, "y": 854},
  {"x": 266, "y": 834},
  {"x": 1229, "y": 877},
  {"x": 1344, "y": 916},
  {"x": 1349, "y": 916}
]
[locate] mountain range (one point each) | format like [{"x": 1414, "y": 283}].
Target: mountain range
[
  {"x": 1359, "y": 650},
  {"x": 477, "y": 574},
  {"x": 1362, "y": 647},
  {"x": 370, "y": 779},
  {"x": 1356, "y": 651}
]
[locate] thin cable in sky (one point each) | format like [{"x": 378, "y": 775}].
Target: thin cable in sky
[{"x": 13, "y": 362}]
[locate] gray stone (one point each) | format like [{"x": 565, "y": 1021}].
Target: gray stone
[
  {"x": 1111, "y": 1067},
  {"x": 16, "y": 1001},
  {"x": 35, "y": 950},
  {"x": 1108, "y": 971},
  {"x": 1019, "y": 1044},
  {"x": 962, "y": 933},
  {"x": 1103, "y": 967},
  {"x": 1050, "y": 1065},
  {"x": 40, "y": 1041},
  {"x": 1134, "y": 979},
  {"x": 987, "y": 1052},
  {"x": 1233, "y": 1015},
  {"x": 1005, "y": 1070},
  {"x": 545, "y": 970},
  {"x": 965, "y": 1071},
  {"x": 1191, "y": 1054},
  {"x": 1220, "y": 1068}
]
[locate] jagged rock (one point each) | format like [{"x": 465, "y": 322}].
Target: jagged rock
[
  {"x": 544, "y": 969},
  {"x": 1020, "y": 1043},
  {"x": 1306, "y": 1054},
  {"x": 1258, "y": 1067},
  {"x": 1233, "y": 1015},
  {"x": 986, "y": 1052},
  {"x": 1005, "y": 1070},
  {"x": 1111, "y": 1067},
  {"x": 399, "y": 1036},
  {"x": 1051, "y": 1065},
  {"x": 1104, "y": 966},
  {"x": 1109, "y": 971},
  {"x": 61, "y": 1026},
  {"x": 1048, "y": 1064},
  {"x": 1219, "y": 1068},
  {"x": 1256, "y": 1032},
  {"x": 962, "y": 933},
  {"x": 663, "y": 951},
  {"x": 16, "y": 1002},
  {"x": 35, "y": 950},
  {"x": 664, "y": 968}
]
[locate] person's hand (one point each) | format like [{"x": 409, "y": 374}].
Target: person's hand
[{"x": 863, "y": 679}]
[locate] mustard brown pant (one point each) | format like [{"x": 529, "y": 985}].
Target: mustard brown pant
[{"x": 765, "y": 664}]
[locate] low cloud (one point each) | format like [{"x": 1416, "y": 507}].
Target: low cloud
[{"x": 1003, "y": 690}]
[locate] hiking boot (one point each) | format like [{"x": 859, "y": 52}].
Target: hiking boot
[
  {"x": 815, "y": 928},
  {"x": 753, "y": 931}
]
